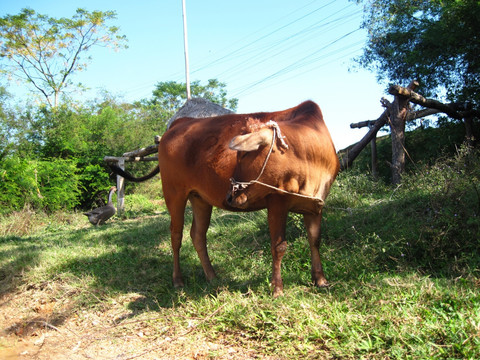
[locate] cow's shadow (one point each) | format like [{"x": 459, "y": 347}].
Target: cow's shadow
[{"x": 139, "y": 259}]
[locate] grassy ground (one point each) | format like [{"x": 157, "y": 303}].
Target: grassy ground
[{"x": 403, "y": 264}]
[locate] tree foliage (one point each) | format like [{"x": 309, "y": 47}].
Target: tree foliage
[
  {"x": 434, "y": 41},
  {"x": 49, "y": 185},
  {"x": 172, "y": 95},
  {"x": 45, "y": 51}
]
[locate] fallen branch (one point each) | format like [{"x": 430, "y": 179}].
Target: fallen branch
[{"x": 362, "y": 124}]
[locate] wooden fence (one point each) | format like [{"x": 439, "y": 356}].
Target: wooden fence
[{"x": 131, "y": 156}]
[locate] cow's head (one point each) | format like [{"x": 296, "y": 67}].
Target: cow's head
[{"x": 252, "y": 151}]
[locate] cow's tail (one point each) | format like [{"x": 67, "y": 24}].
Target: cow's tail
[{"x": 117, "y": 170}]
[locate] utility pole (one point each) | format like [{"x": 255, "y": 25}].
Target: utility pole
[{"x": 185, "y": 42}]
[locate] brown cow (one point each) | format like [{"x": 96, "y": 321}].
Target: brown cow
[{"x": 282, "y": 161}]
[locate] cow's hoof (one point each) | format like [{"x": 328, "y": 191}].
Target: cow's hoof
[
  {"x": 277, "y": 292},
  {"x": 321, "y": 283},
  {"x": 178, "y": 283},
  {"x": 211, "y": 277},
  {"x": 215, "y": 283}
]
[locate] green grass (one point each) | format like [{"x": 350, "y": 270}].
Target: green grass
[{"x": 403, "y": 264}]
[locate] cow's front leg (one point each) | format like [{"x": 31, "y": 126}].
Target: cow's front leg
[
  {"x": 277, "y": 218},
  {"x": 313, "y": 225},
  {"x": 176, "y": 207},
  {"x": 202, "y": 212}
]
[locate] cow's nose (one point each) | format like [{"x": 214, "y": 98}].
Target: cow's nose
[
  {"x": 238, "y": 201},
  {"x": 229, "y": 198}
]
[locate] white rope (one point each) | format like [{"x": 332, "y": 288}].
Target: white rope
[
  {"x": 274, "y": 125},
  {"x": 288, "y": 192}
]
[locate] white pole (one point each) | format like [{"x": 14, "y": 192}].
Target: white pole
[{"x": 185, "y": 41}]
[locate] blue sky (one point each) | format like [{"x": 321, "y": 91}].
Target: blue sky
[{"x": 272, "y": 54}]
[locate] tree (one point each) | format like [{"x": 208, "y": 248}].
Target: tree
[
  {"x": 4, "y": 130},
  {"x": 45, "y": 51},
  {"x": 436, "y": 42},
  {"x": 171, "y": 95},
  {"x": 433, "y": 41}
]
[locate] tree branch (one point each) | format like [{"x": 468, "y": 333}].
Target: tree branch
[
  {"x": 455, "y": 110},
  {"x": 352, "y": 154}
]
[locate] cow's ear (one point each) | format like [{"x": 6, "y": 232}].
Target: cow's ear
[{"x": 252, "y": 141}]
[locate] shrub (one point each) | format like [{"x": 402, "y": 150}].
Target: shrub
[
  {"x": 48, "y": 185},
  {"x": 430, "y": 222}
]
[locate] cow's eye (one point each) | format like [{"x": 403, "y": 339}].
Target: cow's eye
[{"x": 243, "y": 154}]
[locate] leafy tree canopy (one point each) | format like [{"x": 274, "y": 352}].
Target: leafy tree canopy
[
  {"x": 45, "y": 51},
  {"x": 171, "y": 95},
  {"x": 434, "y": 41}
]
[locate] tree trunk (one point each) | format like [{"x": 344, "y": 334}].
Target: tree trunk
[
  {"x": 468, "y": 121},
  {"x": 402, "y": 97},
  {"x": 398, "y": 117},
  {"x": 397, "y": 128}
]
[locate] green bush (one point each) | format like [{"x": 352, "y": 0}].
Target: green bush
[
  {"x": 14, "y": 185},
  {"x": 423, "y": 146},
  {"x": 430, "y": 222},
  {"x": 48, "y": 185}
]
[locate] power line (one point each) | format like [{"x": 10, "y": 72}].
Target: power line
[
  {"x": 266, "y": 54},
  {"x": 230, "y": 54},
  {"x": 259, "y": 52},
  {"x": 292, "y": 66},
  {"x": 228, "y": 57},
  {"x": 249, "y": 89}
]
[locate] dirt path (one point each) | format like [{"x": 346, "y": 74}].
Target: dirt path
[{"x": 34, "y": 325}]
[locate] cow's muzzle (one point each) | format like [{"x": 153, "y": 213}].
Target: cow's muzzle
[{"x": 236, "y": 197}]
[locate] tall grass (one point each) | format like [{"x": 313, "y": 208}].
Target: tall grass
[{"x": 403, "y": 264}]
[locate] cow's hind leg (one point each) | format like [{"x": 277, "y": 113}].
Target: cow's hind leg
[
  {"x": 202, "y": 212},
  {"x": 277, "y": 218},
  {"x": 313, "y": 224}
]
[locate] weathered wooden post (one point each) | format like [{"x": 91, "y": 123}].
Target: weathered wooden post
[
  {"x": 132, "y": 156},
  {"x": 373, "y": 145},
  {"x": 397, "y": 113},
  {"x": 120, "y": 188}
]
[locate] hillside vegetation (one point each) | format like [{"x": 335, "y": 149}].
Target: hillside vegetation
[
  {"x": 403, "y": 263},
  {"x": 424, "y": 145}
]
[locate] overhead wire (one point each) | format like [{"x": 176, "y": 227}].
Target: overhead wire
[
  {"x": 282, "y": 44},
  {"x": 267, "y": 54},
  {"x": 249, "y": 89},
  {"x": 257, "y": 40},
  {"x": 293, "y": 65},
  {"x": 178, "y": 75},
  {"x": 258, "y": 51}
]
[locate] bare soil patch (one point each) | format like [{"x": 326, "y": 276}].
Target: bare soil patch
[{"x": 35, "y": 323}]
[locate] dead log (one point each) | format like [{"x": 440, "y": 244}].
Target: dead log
[
  {"x": 449, "y": 109},
  {"x": 460, "y": 111},
  {"x": 373, "y": 145},
  {"x": 141, "y": 152}
]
